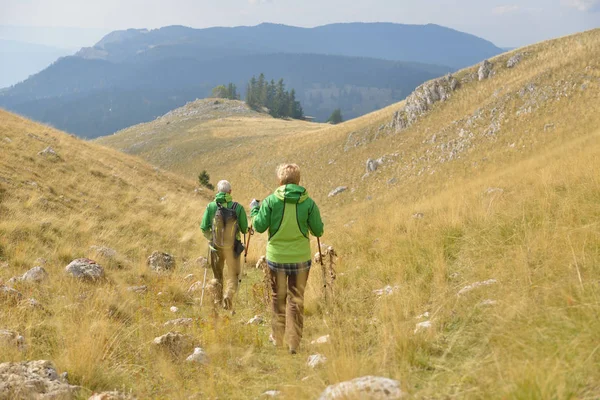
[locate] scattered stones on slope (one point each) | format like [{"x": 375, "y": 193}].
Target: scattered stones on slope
[
  {"x": 160, "y": 262},
  {"x": 337, "y": 191},
  {"x": 422, "y": 100},
  {"x": 315, "y": 360},
  {"x": 10, "y": 338},
  {"x": 476, "y": 285},
  {"x": 271, "y": 393},
  {"x": 514, "y": 60},
  {"x": 33, "y": 380},
  {"x": 486, "y": 69},
  {"x": 49, "y": 152},
  {"x": 198, "y": 356},
  {"x": 85, "y": 269},
  {"x": 366, "y": 387}
]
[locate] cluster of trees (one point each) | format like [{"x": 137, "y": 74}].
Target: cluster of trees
[
  {"x": 226, "y": 92},
  {"x": 281, "y": 103}
]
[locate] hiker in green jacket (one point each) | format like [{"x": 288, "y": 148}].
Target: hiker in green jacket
[
  {"x": 290, "y": 216},
  {"x": 225, "y": 249}
]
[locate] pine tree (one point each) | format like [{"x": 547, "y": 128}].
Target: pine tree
[{"x": 336, "y": 117}]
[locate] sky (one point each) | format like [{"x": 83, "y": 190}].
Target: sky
[{"x": 507, "y": 23}]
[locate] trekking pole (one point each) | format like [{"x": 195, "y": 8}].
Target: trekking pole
[
  {"x": 205, "y": 271},
  {"x": 322, "y": 269},
  {"x": 320, "y": 254}
]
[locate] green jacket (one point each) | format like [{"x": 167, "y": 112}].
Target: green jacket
[
  {"x": 211, "y": 210},
  {"x": 289, "y": 215}
]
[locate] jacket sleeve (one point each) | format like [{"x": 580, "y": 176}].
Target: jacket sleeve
[
  {"x": 315, "y": 224},
  {"x": 206, "y": 224},
  {"x": 242, "y": 219},
  {"x": 261, "y": 216}
]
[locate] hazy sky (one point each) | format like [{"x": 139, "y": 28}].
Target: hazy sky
[{"x": 504, "y": 22}]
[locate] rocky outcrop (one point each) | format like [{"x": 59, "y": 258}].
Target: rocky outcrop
[
  {"x": 198, "y": 356},
  {"x": 174, "y": 342},
  {"x": 35, "y": 274},
  {"x": 112, "y": 395},
  {"x": 160, "y": 262},
  {"x": 9, "y": 295},
  {"x": 85, "y": 269},
  {"x": 33, "y": 380},
  {"x": 315, "y": 360},
  {"x": 514, "y": 60},
  {"x": 366, "y": 387},
  {"x": 422, "y": 100},
  {"x": 485, "y": 70}
]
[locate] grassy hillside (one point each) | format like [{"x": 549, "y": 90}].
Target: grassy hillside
[{"x": 505, "y": 195}]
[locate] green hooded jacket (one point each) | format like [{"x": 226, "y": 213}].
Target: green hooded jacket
[
  {"x": 211, "y": 210},
  {"x": 289, "y": 215}
]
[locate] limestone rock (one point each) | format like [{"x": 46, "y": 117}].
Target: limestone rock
[
  {"x": 337, "y": 191},
  {"x": 104, "y": 251},
  {"x": 85, "y": 269},
  {"x": 485, "y": 70},
  {"x": 179, "y": 322},
  {"x": 48, "y": 151},
  {"x": 271, "y": 393},
  {"x": 372, "y": 165},
  {"x": 315, "y": 360},
  {"x": 138, "y": 289},
  {"x": 475, "y": 285},
  {"x": 386, "y": 291},
  {"x": 422, "y": 326},
  {"x": 321, "y": 340},
  {"x": 8, "y": 294},
  {"x": 174, "y": 309},
  {"x": 33, "y": 380},
  {"x": 422, "y": 100},
  {"x": 256, "y": 320},
  {"x": 198, "y": 356},
  {"x": 366, "y": 387},
  {"x": 174, "y": 342},
  {"x": 11, "y": 338},
  {"x": 160, "y": 262},
  {"x": 35, "y": 274},
  {"x": 261, "y": 263},
  {"x": 514, "y": 60}
]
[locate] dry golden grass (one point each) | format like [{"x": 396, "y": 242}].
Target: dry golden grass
[{"x": 539, "y": 238}]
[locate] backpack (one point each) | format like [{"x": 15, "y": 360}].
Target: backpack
[{"x": 225, "y": 226}]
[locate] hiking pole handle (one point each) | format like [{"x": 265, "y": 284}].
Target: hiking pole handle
[{"x": 320, "y": 254}]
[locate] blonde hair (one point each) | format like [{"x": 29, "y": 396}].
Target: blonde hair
[{"x": 288, "y": 173}]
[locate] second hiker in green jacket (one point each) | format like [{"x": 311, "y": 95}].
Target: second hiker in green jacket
[
  {"x": 290, "y": 216},
  {"x": 219, "y": 255}
]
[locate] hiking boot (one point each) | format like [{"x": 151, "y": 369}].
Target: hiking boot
[{"x": 293, "y": 351}]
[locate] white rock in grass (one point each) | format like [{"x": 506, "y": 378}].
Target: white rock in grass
[
  {"x": 85, "y": 269},
  {"x": 337, "y": 191},
  {"x": 12, "y": 339},
  {"x": 35, "y": 274},
  {"x": 488, "y": 302},
  {"x": 189, "y": 277},
  {"x": 271, "y": 393},
  {"x": 424, "y": 315},
  {"x": 112, "y": 395},
  {"x": 198, "y": 356},
  {"x": 138, "y": 289},
  {"x": 386, "y": 291},
  {"x": 160, "y": 262},
  {"x": 174, "y": 309},
  {"x": 366, "y": 387},
  {"x": 315, "y": 360},
  {"x": 475, "y": 285},
  {"x": 321, "y": 340},
  {"x": 422, "y": 326},
  {"x": 256, "y": 320},
  {"x": 9, "y": 294}
]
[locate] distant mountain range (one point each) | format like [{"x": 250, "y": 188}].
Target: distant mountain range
[
  {"x": 20, "y": 60},
  {"x": 133, "y": 76}
]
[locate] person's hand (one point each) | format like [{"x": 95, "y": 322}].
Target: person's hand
[{"x": 254, "y": 203}]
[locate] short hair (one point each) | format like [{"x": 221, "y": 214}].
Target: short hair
[
  {"x": 224, "y": 186},
  {"x": 288, "y": 173}
]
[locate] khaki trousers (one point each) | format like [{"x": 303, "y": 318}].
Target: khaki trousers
[
  {"x": 288, "y": 306},
  {"x": 232, "y": 273}
]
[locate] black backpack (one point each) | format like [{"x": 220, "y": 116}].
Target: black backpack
[{"x": 225, "y": 226}]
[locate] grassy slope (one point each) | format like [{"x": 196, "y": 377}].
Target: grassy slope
[{"x": 539, "y": 238}]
